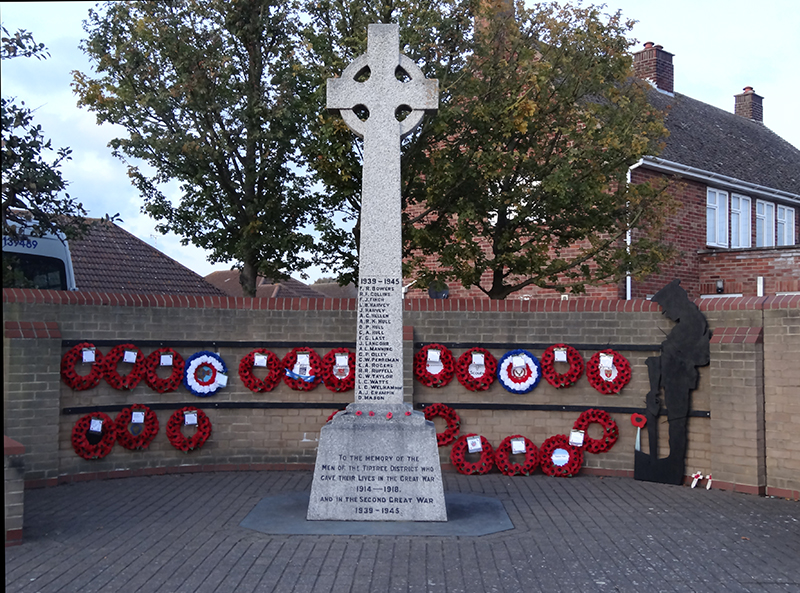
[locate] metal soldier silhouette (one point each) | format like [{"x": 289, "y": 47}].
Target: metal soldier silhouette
[{"x": 674, "y": 372}]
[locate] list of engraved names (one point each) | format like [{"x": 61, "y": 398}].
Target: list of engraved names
[{"x": 379, "y": 374}]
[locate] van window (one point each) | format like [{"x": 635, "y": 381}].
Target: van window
[{"x": 23, "y": 270}]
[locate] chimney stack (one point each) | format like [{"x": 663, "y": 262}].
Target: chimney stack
[
  {"x": 655, "y": 64},
  {"x": 748, "y": 105}
]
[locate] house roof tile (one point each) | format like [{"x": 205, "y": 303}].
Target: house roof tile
[
  {"x": 111, "y": 259},
  {"x": 334, "y": 291},
  {"x": 716, "y": 141},
  {"x": 228, "y": 282}
]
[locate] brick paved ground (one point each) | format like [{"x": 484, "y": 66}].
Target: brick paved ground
[{"x": 181, "y": 533}]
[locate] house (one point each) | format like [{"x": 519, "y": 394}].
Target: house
[
  {"x": 738, "y": 193},
  {"x": 332, "y": 290},
  {"x": 228, "y": 282},
  {"x": 110, "y": 259}
]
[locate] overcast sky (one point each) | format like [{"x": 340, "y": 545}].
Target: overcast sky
[{"x": 720, "y": 47}]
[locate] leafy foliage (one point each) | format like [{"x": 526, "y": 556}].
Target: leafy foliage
[
  {"x": 210, "y": 94},
  {"x": 33, "y": 203},
  {"x": 520, "y": 179}
]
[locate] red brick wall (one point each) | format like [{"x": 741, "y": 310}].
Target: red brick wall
[
  {"x": 697, "y": 266},
  {"x": 456, "y": 290},
  {"x": 686, "y": 230},
  {"x": 740, "y": 268},
  {"x": 745, "y": 383}
]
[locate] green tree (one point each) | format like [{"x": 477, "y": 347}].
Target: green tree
[
  {"x": 211, "y": 95},
  {"x": 33, "y": 202},
  {"x": 520, "y": 179}
]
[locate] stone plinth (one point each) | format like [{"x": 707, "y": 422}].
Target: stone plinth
[{"x": 378, "y": 468}]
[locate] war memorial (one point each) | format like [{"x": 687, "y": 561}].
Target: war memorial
[{"x": 138, "y": 469}]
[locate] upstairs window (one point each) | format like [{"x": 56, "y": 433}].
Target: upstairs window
[
  {"x": 740, "y": 221},
  {"x": 765, "y": 224},
  {"x": 716, "y": 218},
  {"x": 785, "y": 225}
]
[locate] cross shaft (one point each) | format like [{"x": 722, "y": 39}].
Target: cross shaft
[{"x": 379, "y": 356}]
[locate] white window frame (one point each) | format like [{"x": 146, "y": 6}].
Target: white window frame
[
  {"x": 765, "y": 223},
  {"x": 740, "y": 221},
  {"x": 785, "y": 223},
  {"x": 716, "y": 218}
]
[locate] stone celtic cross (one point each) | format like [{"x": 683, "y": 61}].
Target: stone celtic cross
[
  {"x": 391, "y": 83},
  {"x": 378, "y": 460}
]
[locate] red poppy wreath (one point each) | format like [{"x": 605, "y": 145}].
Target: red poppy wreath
[
  {"x": 302, "y": 369},
  {"x": 434, "y": 365},
  {"x": 71, "y": 358},
  {"x": 178, "y": 420},
  {"x": 452, "y": 419},
  {"x": 459, "y": 452},
  {"x": 476, "y": 369},
  {"x": 573, "y": 358},
  {"x": 610, "y": 430},
  {"x": 339, "y": 370},
  {"x": 103, "y": 440},
  {"x": 152, "y": 364},
  {"x": 502, "y": 457},
  {"x": 119, "y": 353},
  {"x": 136, "y": 435},
  {"x": 559, "y": 458},
  {"x": 608, "y": 371},
  {"x": 265, "y": 359}
]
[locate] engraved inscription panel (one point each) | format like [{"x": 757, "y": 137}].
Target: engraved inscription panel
[
  {"x": 379, "y": 485},
  {"x": 379, "y": 364}
]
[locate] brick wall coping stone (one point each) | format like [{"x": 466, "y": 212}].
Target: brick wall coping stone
[
  {"x": 738, "y": 335},
  {"x": 32, "y": 329},
  {"x": 554, "y": 305},
  {"x": 791, "y": 301},
  {"x": 12, "y": 447}
]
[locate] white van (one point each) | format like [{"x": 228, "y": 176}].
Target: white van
[{"x": 38, "y": 262}]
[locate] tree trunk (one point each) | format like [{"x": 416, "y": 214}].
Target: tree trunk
[{"x": 247, "y": 278}]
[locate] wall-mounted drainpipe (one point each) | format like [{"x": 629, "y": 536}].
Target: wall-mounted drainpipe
[{"x": 628, "y": 279}]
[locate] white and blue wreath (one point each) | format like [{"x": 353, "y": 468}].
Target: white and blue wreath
[
  {"x": 205, "y": 373},
  {"x": 519, "y": 371}
]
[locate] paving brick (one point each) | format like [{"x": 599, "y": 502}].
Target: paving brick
[{"x": 181, "y": 533}]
